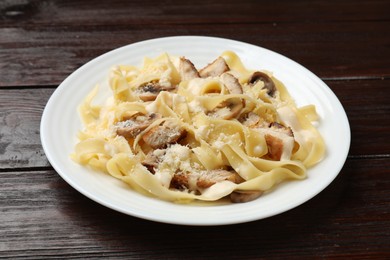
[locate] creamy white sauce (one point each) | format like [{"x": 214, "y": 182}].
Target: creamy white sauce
[
  {"x": 258, "y": 150},
  {"x": 219, "y": 189},
  {"x": 164, "y": 177},
  {"x": 301, "y": 135}
]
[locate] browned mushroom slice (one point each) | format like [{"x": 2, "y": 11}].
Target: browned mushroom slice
[
  {"x": 187, "y": 70},
  {"x": 150, "y": 90},
  {"x": 250, "y": 119},
  {"x": 280, "y": 141},
  {"x": 134, "y": 125},
  {"x": 268, "y": 82},
  {"x": 160, "y": 136},
  {"x": 231, "y": 83},
  {"x": 212, "y": 177},
  {"x": 228, "y": 109},
  {"x": 244, "y": 196},
  {"x": 214, "y": 69}
]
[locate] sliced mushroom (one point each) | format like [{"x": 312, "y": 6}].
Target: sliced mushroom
[
  {"x": 150, "y": 90},
  {"x": 213, "y": 176},
  {"x": 250, "y": 119},
  {"x": 161, "y": 136},
  {"x": 187, "y": 70},
  {"x": 228, "y": 109},
  {"x": 135, "y": 124},
  {"x": 214, "y": 69},
  {"x": 280, "y": 141},
  {"x": 268, "y": 82},
  {"x": 231, "y": 83},
  {"x": 180, "y": 181},
  {"x": 244, "y": 196}
]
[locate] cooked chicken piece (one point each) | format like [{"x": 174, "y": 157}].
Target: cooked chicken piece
[
  {"x": 231, "y": 83},
  {"x": 244, "y": 196},
  {"x": 228, "y": 109},
  {"x": 280, "y": 141},
  {"x": 281, "y": 128},
  {"x": 203, "y": 180},
  {"x": 214, "y": 176},
  {"x": 162, "y": 135},
  {"x": 134, "y": 125},
  {"x": 150, "y": 91},
  {"x": 268, "y": 82},
  {"x": 180, "y": 181},
  {"x": 214, "y": 69},
  {"x": 275, "y": 147},
  {"x": 153, "y": 159},
  {"x": 187, "y": 70}
]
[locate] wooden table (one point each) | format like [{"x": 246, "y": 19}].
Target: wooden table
[{"x": 346, "y": 43}]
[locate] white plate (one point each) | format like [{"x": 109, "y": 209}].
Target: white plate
[{"x": 60, "y": 124}]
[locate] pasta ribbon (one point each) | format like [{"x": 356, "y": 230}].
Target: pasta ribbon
[{"x": 179, "y": 133}]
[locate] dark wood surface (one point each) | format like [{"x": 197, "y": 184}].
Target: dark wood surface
[{"x": 346, "y": 43}]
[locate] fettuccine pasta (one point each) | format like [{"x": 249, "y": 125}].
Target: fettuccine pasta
[{"x": 182, "y": 134}]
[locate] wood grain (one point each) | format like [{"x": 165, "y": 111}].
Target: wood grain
[
  {"x": 366, "y": 103},
  {"x": 45, "y": 42},
  {"x": 346, "y": 43},
  {"x": 89, "y": 12},
  {"x": 43, "y": 217},
  {"x": 20, "y": 117}
]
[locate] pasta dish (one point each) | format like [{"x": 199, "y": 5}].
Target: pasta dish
[{"x": 179, "y": 133}]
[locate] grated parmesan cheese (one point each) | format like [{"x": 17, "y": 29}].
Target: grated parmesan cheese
[
  {"x": 173, "y": 160},
  {"x": 195, "y": 107}
]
